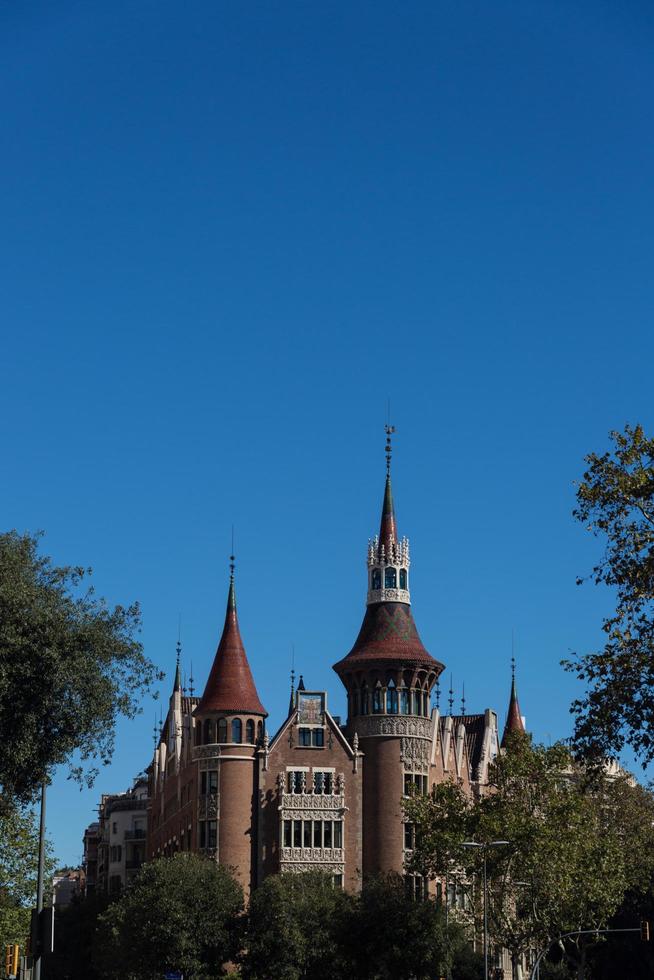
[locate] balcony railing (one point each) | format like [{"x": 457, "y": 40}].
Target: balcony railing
[{"x": 134, "y": 835}]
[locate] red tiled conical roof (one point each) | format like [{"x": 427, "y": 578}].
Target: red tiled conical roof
[
  {"x": 388, "y": 634},
  {"x": 230, "y": 686},
  {"x": 513, "y": 718}
]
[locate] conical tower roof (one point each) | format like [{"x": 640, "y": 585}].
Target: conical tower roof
[
  {"x": 388, "y": 633},
  {"x": 230, "y": 687},
  {"x": 514, "y": 718}
]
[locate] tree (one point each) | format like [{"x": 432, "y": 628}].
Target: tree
[
  {"x": 615, "y": 500},
  {"x": 398, "y": 938},
  {"x": 575, "y": 846},
  {"x": 69, "y": 665},
  {"x": 297, "y": 928},
  {"x": 180, "y": 913},
  {"x": 19, "y": 844}
]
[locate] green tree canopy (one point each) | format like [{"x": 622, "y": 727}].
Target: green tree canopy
[
  {"x": 180, "y": 913},
  {"x": 69, "y": 666},
  {"x": 19, "y": 847},
  {"x": 575, "y": 846},
  {"x": 297, "y": 929},
  {"x": 615, "y": 501}
]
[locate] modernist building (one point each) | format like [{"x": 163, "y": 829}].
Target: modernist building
[
  {"x": 317, "y": 793},
  {"x": 115, "y": 844}
]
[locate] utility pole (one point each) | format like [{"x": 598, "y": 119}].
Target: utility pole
[{"x": 36, "y": 973}]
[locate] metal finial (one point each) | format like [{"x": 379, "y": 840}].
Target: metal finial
[
  {"x": 437, "y": 691},
  {"x": 512, "y": 668},
  {"x": 160, "y": 723},
  {"x": 389, "y": 430},
  {"x": 184, "y": 683},
  {"x": 451, "y": 697},
  {"x": 463, "y": 700},
  {"x": 154, "y": 731},
  {"x": 191, "y": 688}
]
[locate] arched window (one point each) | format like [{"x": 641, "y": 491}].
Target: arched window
[
  {"x": 377, "y": 700},
  {"x": 249, "y": 731},
  {"x": 391, "y": 698},
  {"x": 207, "y": 732},
  {"x": 390, "y": 578},
  {"x": 425, "y": 704},
  {"x": 415, "y": 702},
  {"x": 365, "y": 707},
  {"x": 237, "y": 730},
  {"x": 259, "y": 731},
  {"x": 403, "y": 578},
  {"x": 404, "y": 701},
  {"x": 222, "y": 730},
  {"x": 375, "y": 582}
]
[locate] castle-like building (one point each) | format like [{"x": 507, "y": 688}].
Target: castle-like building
[{"x": 317, "y": 794}]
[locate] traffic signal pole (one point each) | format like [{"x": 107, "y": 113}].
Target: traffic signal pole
[{"x": 36, "y": 973}]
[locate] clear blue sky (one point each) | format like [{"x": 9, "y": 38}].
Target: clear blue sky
[{"x": 231, "y": 230}]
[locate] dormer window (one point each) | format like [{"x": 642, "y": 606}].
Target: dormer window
[
  {"x": 375, "y": 581},
  {"x": 403, "y": 578},
  {"x": 390, "y": 578}
]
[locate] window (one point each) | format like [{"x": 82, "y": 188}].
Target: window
[
  {"x": 114, "y": 828},
  {"x": 403, "y": 578},
  {"x": 375, "y": 582},
  {"x": 365, "y": 703},
  {"x": 390, "y": 578},
  {"x": 222, "y": 730},
  {"x": 317, "y": 737},
  {"x": 209, "y": 782},
  {"x": 391, "y": 699},
  {"x": 404, "y": 702},
  {"x": 323, "y": 782},
  {"x": 259, "y": 730},
  {"x": 313, "y": 833},
  {"x": 288, "y": 833},
  {"x": 327, "y": 833},
  {"x": 208, "y": 732},
  {"x": 115, "y": 853},
  {"x": 297, "y": 833},
  {"x": 296, "y": 781},
  {"x": 212, "y": 833},
  {"x": 237, "y": 730},
  {"x": 305, "y": 736},
  {"x": 409, "y": 836},
  {"x": 415, "y": 783},
  {"x": 249, "y": 732},
  {"x": 337, "y": 881},
  {"x": 338, "y": 833},
  {"x": 317, "y": 833},
  {"x": 307, "y": 833},
  {"x": 377, "y": 701}
]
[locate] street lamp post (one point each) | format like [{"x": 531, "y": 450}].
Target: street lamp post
[{"x": 484, "y": 848}]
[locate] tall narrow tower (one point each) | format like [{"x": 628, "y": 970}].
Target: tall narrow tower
[
  {"x": 228, "y": 726},
  {"x": 514, "y": 722},
  {"x": 388, "y": 675}
]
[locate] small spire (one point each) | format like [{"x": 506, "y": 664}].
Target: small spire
[
  {"x": 451, "y": 697},
  {"x": 155, "y": 731},
  {"x": 463, "y": 700},
  {"x": 388, "y": 527},
  {"x": 514, "y": 721},
  {"x": 291, "y": 703},
  {"x": 178, "y": 676},
  {"x": 191, "y": 681},
  {"x": 301, "y": 686},
  {"x": 231, "y": 598}
]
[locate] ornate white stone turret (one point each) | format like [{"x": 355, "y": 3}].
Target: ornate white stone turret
[{"x": 388, "y": 571}]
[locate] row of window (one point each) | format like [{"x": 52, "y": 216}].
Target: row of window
[
  {"x": 299, "y": 781},
  {"x": 390, "y": 578},
  {"x": 209, "y": 734},
  {"x": 391, "y": 701},
  {"x": 313, "y": 833}
]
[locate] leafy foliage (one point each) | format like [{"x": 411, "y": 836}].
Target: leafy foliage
[
  {"x": 615, "y": 500},
  {"x": 19, "y": 848},
  {"x": 69, "y": 665},
  {"x": 296, "y": 929},
  {"x": 575, "y": 846},
  {"x": 181, "y": 913}
]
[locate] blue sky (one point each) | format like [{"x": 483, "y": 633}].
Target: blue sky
[{"x": 231, "y": 231}]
